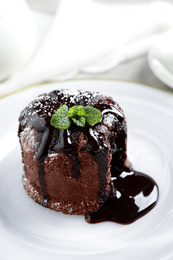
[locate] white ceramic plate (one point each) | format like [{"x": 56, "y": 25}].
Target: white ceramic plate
[{"x": 29, "y": 231}]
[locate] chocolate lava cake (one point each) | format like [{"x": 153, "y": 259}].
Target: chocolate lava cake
[{"x": 69, "y": 170}]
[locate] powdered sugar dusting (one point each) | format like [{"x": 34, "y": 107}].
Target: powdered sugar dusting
[
  {"x": 72, "y": 208},
  {"x": 109, "y": 120},
  {"x": 32, "y": 192},
  {"x": 52, "y": 154},
  {"x": 28, "y": 139},
  {"x": 51, "y": 158},
  {"x": 45, "y": 105}
]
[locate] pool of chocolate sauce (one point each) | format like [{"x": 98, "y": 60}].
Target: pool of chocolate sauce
[{"x": 133, "y": 195}]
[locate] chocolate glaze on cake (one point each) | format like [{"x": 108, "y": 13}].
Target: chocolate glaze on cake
[{"x": 70, "y": 170}]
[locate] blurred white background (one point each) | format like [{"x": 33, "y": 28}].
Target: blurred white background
[{"x": 62, "y": 39}]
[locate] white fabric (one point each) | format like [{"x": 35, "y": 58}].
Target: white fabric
[{"x": 93, "y": 36}]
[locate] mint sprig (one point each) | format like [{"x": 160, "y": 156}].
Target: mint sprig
[
  {"x": 60, "y": 119},
  {"x": 79, "y": 115}
]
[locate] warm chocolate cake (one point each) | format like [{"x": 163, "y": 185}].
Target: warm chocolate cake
[{"x": 69, "y": 170}]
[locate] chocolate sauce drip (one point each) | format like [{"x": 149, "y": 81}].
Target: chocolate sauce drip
[
  {"x": 99, "y": 151},
  {"x": 67, "y": 143},
  {"x": 133, "y": 195},
  {"x": 43, "y": 140},
  {"x": 38, "y": 114},
  {"x": 102, "y": 161}
]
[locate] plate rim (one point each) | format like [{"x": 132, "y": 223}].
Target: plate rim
[{"x": 83, "y": 79}]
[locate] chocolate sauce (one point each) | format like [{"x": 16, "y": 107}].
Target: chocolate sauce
[
  {"x": 43, "y": 133},
  {"x": 133, "y": 195},
  {"x": 67, "y": 143},
  {"x": 36, "y": 115}
]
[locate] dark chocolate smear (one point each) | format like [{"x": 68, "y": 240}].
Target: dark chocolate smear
[
  {"x": 67, "y": 143},
  {"x": 43, "y": 141},
  {"x": 134, "y": 194}
]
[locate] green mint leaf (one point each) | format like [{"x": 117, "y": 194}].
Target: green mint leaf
[
  {"x": 80, "y": 121},
  {"x": 76, "y": 111},
  {"x": 92, "y": 115},
  {"x": 79, "y": 114},
  {"x": 60, "y": 119}
]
